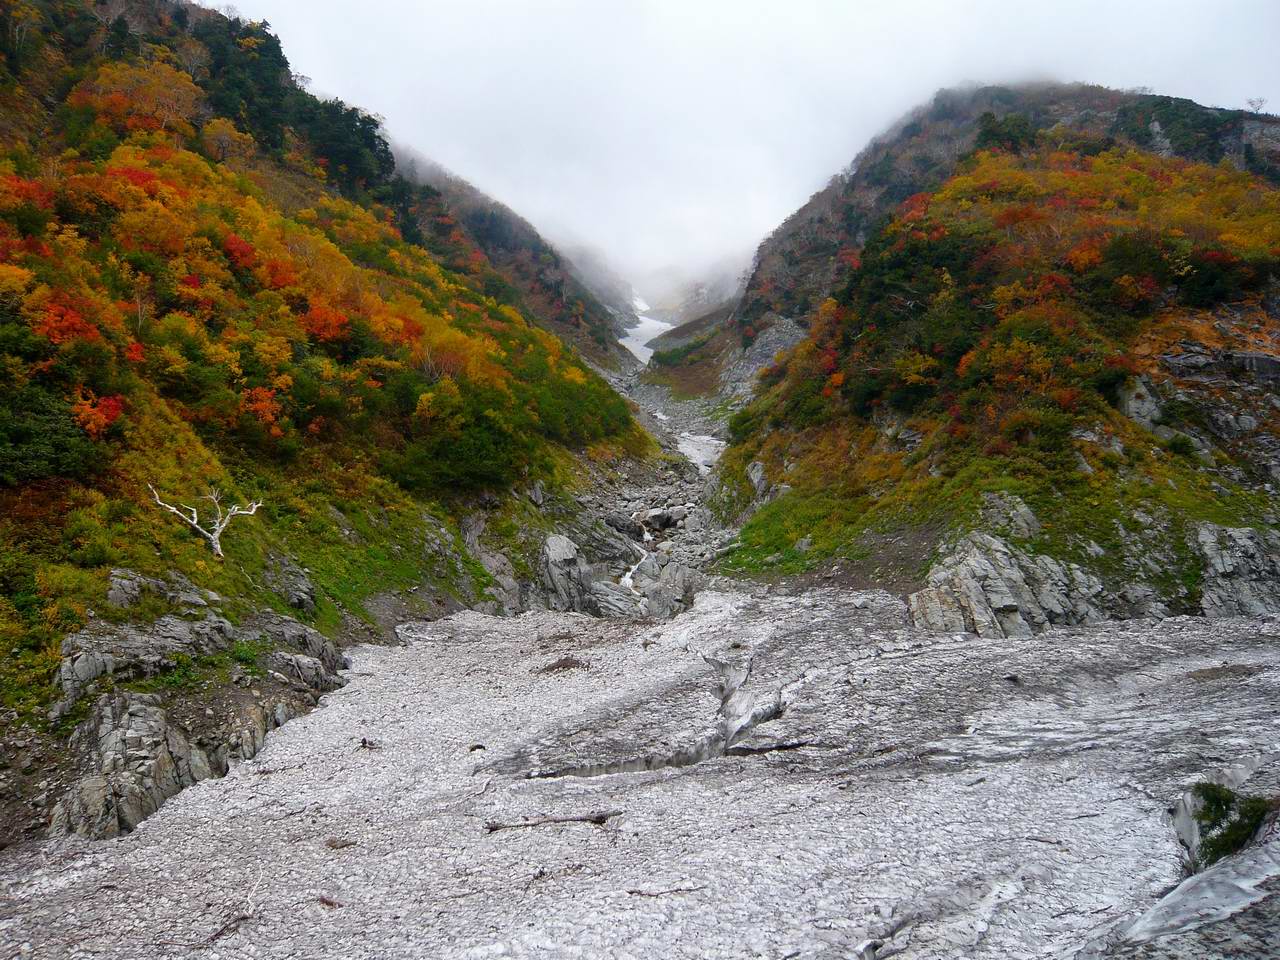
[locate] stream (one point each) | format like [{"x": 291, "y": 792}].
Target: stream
[{"x": 637, "y": 338}]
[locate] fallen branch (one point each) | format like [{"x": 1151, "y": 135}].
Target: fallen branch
[
  {"x": 231, "y": 926},
  {"x": 267, "y": 771},
  {"x": 598, "y": 819},
  {"x": 249, "y": 912},
  {"x": 663, "y": 893}
]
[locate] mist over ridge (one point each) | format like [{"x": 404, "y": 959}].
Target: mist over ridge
[{"x": 674, "y": 137}]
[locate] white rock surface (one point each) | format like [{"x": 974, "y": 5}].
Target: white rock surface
[{"x": 918, "y": 796}]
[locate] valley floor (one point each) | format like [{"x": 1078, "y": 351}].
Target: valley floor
[{"x": 554, "y": 785}]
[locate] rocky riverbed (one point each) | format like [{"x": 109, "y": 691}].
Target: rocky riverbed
[
  {"x": 765, "y": 775},
  {"x": 703, "y": 769}
]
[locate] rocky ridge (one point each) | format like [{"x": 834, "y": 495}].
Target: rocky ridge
[{"x": 1215, "y": 393}]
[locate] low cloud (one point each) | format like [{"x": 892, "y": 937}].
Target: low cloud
[{"x": 671, "y": 135}]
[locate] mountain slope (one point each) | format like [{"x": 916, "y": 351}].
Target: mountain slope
[
  {"x": 208, "y": 287},
  {"x": 815, "y": 251},
  {"x": 1068, "y": 344},
  {"x": 545, "y": 281}
]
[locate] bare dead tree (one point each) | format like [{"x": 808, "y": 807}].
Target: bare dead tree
[
  {"x": 217, "y": 523},
  {"x": 427, "y": 364},
  {"x": 1256, "y": 103},
  {"x": 145, "y": 302},
  {"x": 192, "y": 57},
  {"x": 23, "y": 18}
]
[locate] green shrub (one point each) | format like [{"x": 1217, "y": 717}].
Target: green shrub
[
  {"x": 1228, "y": 821},
  {"x": 1011, "y": 132},
  {"x": 39, "y": 438},
  {"x": 1180, "y": 445},
  {"x": 676, "y": 355}
]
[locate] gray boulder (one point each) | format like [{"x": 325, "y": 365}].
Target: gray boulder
[
  {"x": 287, "y": 631},
  {"x": 612, "y": 600},
  {"x": 673, "y": 591},
  {"x": 628, "y": 526},
  {"x": 987, "y": 587},
  {"x": 1241, "y": 570},
  {"x": 1140, "y": 403},
  {"x": 304, "y": 670},
  {"x": 508, "y": 597},
  {"x": 565, "y": 575},
  {"x": 646, "y": 572},
  {"x": 659, "y": 518},
  {"x": 1007, "y": 513},
  {"x": 290, "y": 581},
  {"x": 126, "y": 588}
]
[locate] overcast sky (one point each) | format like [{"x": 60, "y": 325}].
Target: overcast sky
[{"x": 673, "y": 133}]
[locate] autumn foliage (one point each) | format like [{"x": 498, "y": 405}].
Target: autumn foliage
[
  {"x": 1001, "y": 309},
  {"x": 133, "y": 97},
  {"x": 157, "y": 275}
]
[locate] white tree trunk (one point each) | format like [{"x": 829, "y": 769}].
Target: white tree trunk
[{"x": 218, "y": 522}]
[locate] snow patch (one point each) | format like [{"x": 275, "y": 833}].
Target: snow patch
[{"x": 703, "y": 450}]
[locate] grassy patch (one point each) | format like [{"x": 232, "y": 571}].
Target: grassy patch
[
  {"x": 677, "y": 355},
  {"x": 186, "y": 673},
  {"x": 686, "y": 382},
  {"x": 1228, "y": 821}
]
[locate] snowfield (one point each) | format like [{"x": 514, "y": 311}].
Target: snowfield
[{"x": 557, "y": 786}]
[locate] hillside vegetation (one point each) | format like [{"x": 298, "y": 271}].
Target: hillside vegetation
[
  {"x": 208, "y": 279},
  {"x": 519, "y": 262},
  {"x": 983, "y": 338},
  {"x": 813, "y": 253}
]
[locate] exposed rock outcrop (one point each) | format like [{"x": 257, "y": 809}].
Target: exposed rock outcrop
[
  {"x": 286, "y": 578},
  {"x": 133, "y": 753},
  {"x": 988, "y": 586},
  {"x": 131, "y": 651},
  {"x": 739, "y": 373},
  {"x": 566, "y": 575},
  {"x": 672, "y": 591},
  {"x": 1241, "y": 570},
  {"x": 656, "y": 586},
  {"x": 139, "y": 758},
  {"x": 126, "y": 589}
]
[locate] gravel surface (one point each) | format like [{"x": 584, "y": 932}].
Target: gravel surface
[{"x": 556, "y": 786}]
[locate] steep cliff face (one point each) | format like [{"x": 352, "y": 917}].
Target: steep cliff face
[
  {"x": 215, "y": 290},
  {"x": 1066, "y": 296}
]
